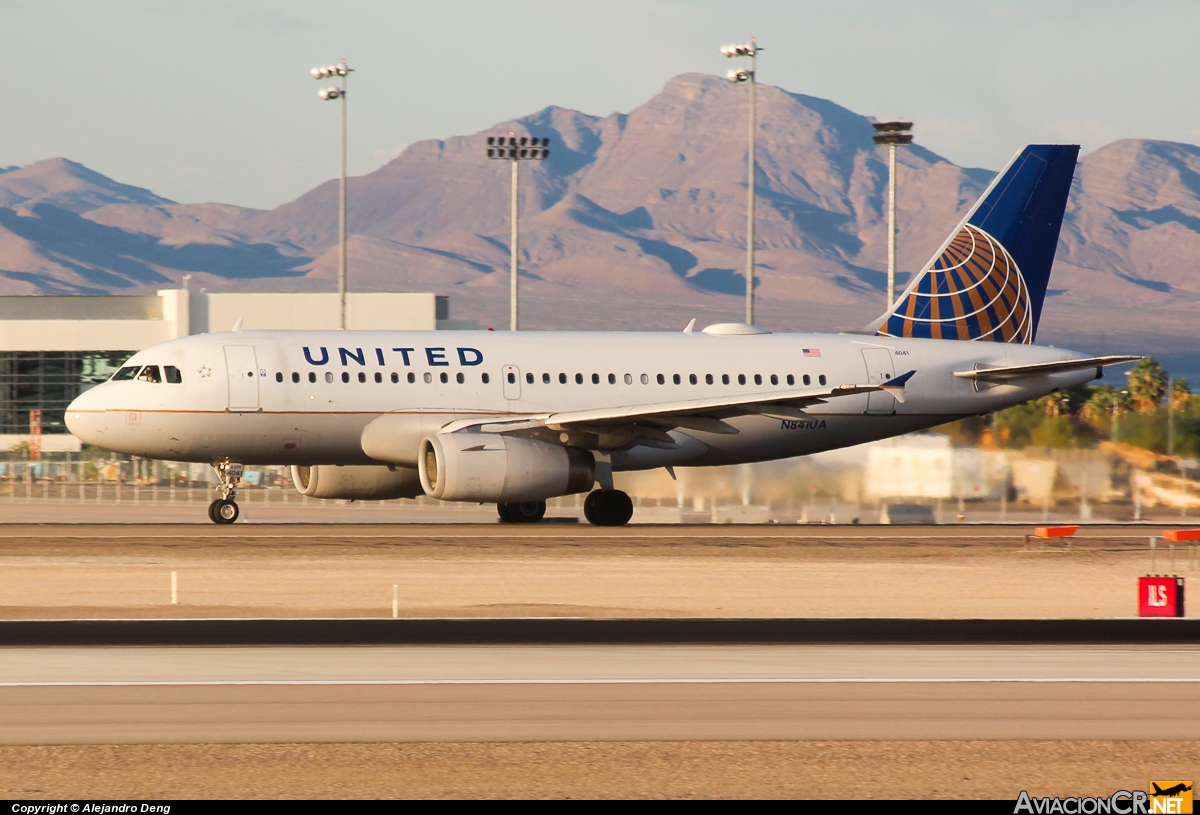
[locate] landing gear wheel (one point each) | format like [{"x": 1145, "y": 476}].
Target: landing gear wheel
[
  {"x": 521, "y": 512},
  {"x": 223, "y": 511},
  {"x": 608, "y": 508}
]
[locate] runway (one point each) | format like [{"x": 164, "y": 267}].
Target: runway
[{"x": 64, "y": 695}]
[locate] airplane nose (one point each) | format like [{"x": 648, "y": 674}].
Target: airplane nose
[{"x": 85, "y": 419}]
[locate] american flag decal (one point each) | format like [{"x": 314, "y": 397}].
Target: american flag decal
[{"x": 812, "y": 352}]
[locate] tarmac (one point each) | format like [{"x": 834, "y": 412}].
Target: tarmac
[
  {"x": 263, "y": 658},
  {"x": 64, "y": 695}
]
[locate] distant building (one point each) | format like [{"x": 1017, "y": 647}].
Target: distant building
[
  {"x": 927, "y": 466},
  {"x": 53, "y": 348}
]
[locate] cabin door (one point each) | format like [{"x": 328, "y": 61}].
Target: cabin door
[
  {"x": 241, "y": 367},
  {"x": 879, "y": 372}
]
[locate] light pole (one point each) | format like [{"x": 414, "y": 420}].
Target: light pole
[
  {"x": 515, "y": 149},
  {"x": 735, "y": 75},
  {"x": 892, "y": 134},
  {"x": 330, "y": 95}
]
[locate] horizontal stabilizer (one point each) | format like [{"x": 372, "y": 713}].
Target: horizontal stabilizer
[
  {"x": 1004, "y": 373},
  {"x": 896, "y": 386}
]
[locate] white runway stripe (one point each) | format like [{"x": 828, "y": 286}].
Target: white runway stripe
[{"x": 658, "y": 681}]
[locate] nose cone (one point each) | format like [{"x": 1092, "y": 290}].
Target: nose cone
[{"x": 85, "y": 418}]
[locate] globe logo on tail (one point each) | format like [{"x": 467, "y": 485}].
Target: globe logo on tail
[{"x": 972, "y": 291}]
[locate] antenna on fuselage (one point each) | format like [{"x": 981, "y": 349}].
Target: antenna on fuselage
[{"x": 238, "y": 325}]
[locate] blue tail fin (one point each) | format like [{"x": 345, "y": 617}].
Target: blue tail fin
[{"x": 988, "y": 281}]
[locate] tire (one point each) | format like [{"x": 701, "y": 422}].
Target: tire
[
  {"x": 608, "y": 508},
  {"x": 224, "y": 511},
  {"x": 521, "y": 512}
]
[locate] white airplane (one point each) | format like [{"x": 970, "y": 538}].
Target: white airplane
[{"x": 516, "y": 418}]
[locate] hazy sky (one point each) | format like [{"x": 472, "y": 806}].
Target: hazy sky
[{"x": 210, "y": 100}]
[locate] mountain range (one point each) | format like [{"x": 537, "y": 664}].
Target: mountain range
[{"x": 636, "y": 221}]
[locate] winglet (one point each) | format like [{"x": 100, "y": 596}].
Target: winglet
[
  {"x": 238, "y": 325},
  {"x": 896, "y": 386},
  {"x": 690, "y": 326}
]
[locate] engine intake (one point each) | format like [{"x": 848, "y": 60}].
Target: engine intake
[
  {"x": 366, "y": 483},
  {"x": 487, "y": 467}
]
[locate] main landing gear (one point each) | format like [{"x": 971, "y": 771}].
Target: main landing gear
[
  {"x": 601, "y": 508},
  {"x": 521, "y": 512},
  {"x": 608, "y": 508},
  {"x": 224, "y": 510}
]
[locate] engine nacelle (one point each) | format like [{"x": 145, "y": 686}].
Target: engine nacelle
[
  {"x": 395, "y": 438},
  {"x": 360, "y": 483},
  {"x": 488, "y": 467}
]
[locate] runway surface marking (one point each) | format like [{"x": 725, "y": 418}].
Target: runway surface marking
[{"x": 664, "y": 681}]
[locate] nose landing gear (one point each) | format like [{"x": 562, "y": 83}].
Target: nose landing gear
[{"x": 224, "y": 510}]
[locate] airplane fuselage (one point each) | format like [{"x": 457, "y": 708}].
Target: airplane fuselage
[{"x": 304, "y": 397}]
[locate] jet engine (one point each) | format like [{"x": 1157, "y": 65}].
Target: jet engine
[
  {"x": 487, "y": 467},
  {"x": 369, "y": 483}
]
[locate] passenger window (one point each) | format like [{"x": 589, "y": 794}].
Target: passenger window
[
  {"x": 428, "y": 377},
  {"x": 312, "y": 377},
  {"x": 741, "y": 379},
  {"x": 459, "y": 378},
  {"x": 295, "y": 377},
  {"x": 692, "y": 378},
  {"x": 661, "y": 380},
  {"x": 444, "y": 377},
  {"x": 485, "y": 379},
  {"x": 578, "y": 379},
  {"x": 529, "y": 378},
  {"x": 821, "y": 379},
  {"x": 562, "y": 379},
  {"x": 278, "y": 376},
  {"x": 378, "y": 377},
  {"x": 328, "y": 376},
  {"x": 173, "y": 375},
  {"x": 675, "y": 379},
  {"x": 412, "y": 378},
  {"x": 807, "y": 379},
  {"x": 595, "y": 379},
  {"x": 545, "y": 379},
  {"x": 791, "y": 379},
  {"x": 395, "y": 378},
  {"x": 512, "y": 378},
  {"x": 345, "y": 377},
  {"x": 774, "y": 379},
  {"x": 708, "y": 379},
  {"x": 126, "y": 373},
  {"x": 150, "y": 374},
  {"x": 645, "y": 379},
  {"x": 612, "y": 379},
  {"x": 724, "y": 379},
  {"x": 758, "y": 379},
  {"x": 628, "y": 379}
]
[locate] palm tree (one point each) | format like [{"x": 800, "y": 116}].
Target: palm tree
[
  {"x": 1147, "y": 385},
  {"x": 1181, "y": 394}
]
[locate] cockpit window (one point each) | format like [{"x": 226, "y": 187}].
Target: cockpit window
[
  {"x": 173, "y": 375},
  {"x": 150, "y": 374},
  {"x": 128, "y": 372}
]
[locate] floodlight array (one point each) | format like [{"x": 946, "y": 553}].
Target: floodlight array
[{"x": 518, "y": 148}]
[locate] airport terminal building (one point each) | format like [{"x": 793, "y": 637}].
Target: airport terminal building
[{"x": 53, "y": 348}]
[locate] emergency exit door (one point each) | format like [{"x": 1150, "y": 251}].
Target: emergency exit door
[
  {"x": 512, "y": 382},
  {"x": 879, "y": 371},
  {"x": 241, "y": 367}
]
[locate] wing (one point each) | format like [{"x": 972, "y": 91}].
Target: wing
[
  {"x": 648, "y": 423},
  {"x": 1004, "y": 373}
]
